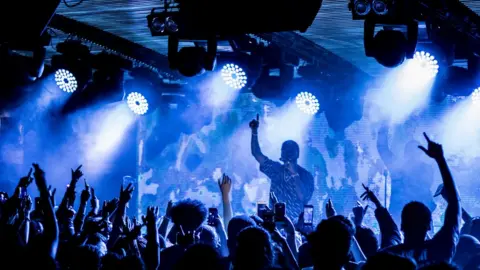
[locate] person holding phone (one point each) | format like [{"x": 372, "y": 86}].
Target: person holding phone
[{"x": 290, "y": 182}]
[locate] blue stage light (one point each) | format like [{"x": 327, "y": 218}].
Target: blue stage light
[
  {"x": 427, "y": 62},
  {"x": 476, "y": 96},
  {"x": 66, "y": 81},
  {"x": 307, "y": 103},
  {"x": 234, "y": 76},
  {"x": 137, "y": 103}
]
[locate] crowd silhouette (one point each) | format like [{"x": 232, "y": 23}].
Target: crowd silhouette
[{"x": 39, "y": 234}]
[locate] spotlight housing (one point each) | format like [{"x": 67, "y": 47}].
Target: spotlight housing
[
  {"x": 234, "y": 76},
  {"x": 142, "y": 95},
  {"x": 307, "y": 103},
  {"x": 73, "y": 68}
]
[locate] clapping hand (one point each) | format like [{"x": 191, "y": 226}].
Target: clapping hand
[
  {"x": 434, "y": 150},
  {"x": 255, "y": 123}
]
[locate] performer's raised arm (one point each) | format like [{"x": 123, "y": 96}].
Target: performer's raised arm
[{"x": 255, "y": 146}]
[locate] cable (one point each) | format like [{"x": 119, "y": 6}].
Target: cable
[{"x": 72, "y": 5}]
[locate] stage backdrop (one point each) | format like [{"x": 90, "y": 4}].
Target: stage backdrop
[{"x": 188, "y": 166}]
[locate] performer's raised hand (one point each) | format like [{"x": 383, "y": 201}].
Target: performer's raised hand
[{"x": 255, "y": 123}]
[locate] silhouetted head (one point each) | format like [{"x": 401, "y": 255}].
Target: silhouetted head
[
  {"x": 86, "y": 257},
  {"x": 367, "y": 240},
  {"x": 416, "y": 221},
  {"x": 237, "y": 224},
  {"x": 383, "y": 260},
  {"x": 111, "y": 261},
  {"x": 468, "y": 246},
  {"x": 132, "y": 263},
  {"x": 208, "y": 236},
  {"x": 254, "y": 249},
  {"x": 190, "y": 214},
  {"x": 200, "y": 256},
  {"x": 290, "y": 151},
  {"x": 331, "y": 243}
]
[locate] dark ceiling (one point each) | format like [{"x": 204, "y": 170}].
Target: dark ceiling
[{"x": 333, "y": 28}]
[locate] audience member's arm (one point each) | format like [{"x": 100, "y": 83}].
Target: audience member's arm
[
  {"x": 357, "y": 252},
  {"x": 152, "y": 251},
  {"x": 225, "y": 185},
  {"x": 120, "y": 216},
  {"x": 447, "y": 237},
  {"x": 390, "y": 234},
  {"x": 467, "y": 225},
  {"x": 24, "y": 219},
  {"x": 82, "y": 209},
  {"x": 255, "y": 145},
  {"x": 222, "y": 234},
  {"x": 290, "y": 259},
  {"x": 50, "y": 221},
  {"x": 453, "y": 211}
]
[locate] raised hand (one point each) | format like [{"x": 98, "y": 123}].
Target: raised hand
[
  {"x": 77, "y": 174},
  {"x": 358, "y": 213},
  {"x": 255, "y": 123},
  {"x": 51, "y": 193},
  {"x": 26, "y": 180},
  {"x": 329, "y": 209},
  {"x": 169, "y": 209},
  {"x": 434, "y": 150},
  {"x": 39, "y": 175},
  {"x": 152, "y": 216},
  {"x": 126, "y": 194},
  {"x": 85, "y": 196},
  {"x": 369, "y": 195},
  {"x": 225, "y": 185}
]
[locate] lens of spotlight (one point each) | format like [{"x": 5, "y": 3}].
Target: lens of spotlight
[
  {"x": 307, "y": 103},
  {"x": 158, "y": 25},
  {"x": 66, "y": 81},
  {"x": 476, "y": 96},
  {"x": 171, "y": 25},
  {"x": 362, "y": 7},
  {"x": 234, "y": 76},
  {"x": 380, "y": 7},
  {"x": 137, "y": 103},
  {"x": 427, "y": 62}
]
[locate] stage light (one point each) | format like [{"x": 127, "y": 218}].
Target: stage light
[
  {"x": 427, "y": 62},
  {"x": 234, "y": 76},
  {"x": 380, "y": 7},
  {"x": 362, "y": 7},
  {"x": 476, "y": 96},
  {"x": 137, "y": 103},
  {"x": 65, "y": 80},
  {"x": 307, "y": 103}
]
